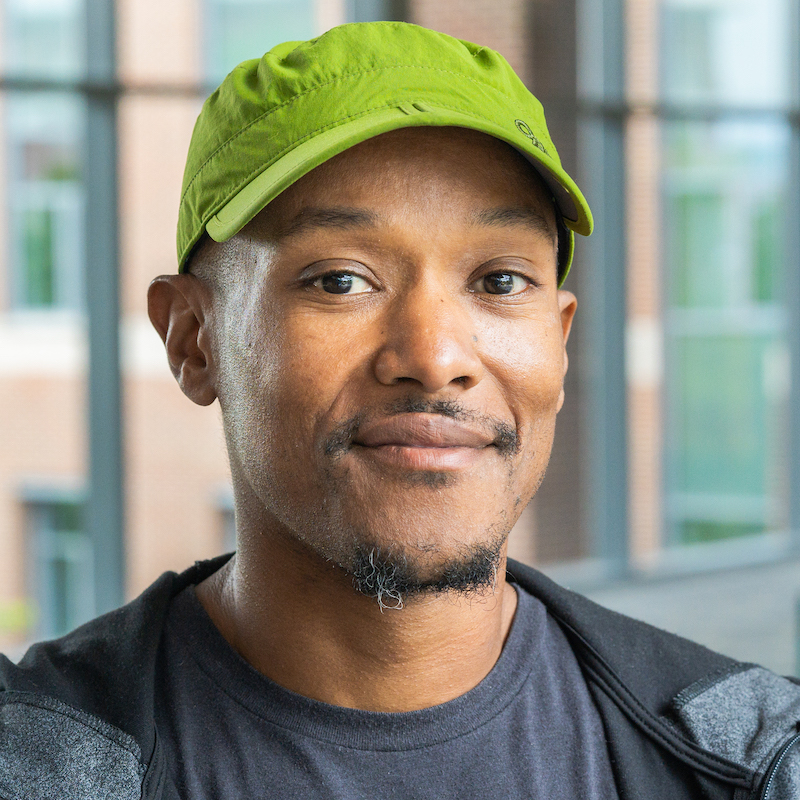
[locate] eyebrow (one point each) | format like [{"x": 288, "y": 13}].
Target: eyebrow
[
  {"x": 344, "y": 218},
  {"x": 515, "y": 216},
  {"x": 340, "y": 218}
]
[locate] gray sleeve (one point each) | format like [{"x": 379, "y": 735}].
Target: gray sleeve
[
  {"x": 749, "y": 716},
  {"x": 53, "y": 751}
]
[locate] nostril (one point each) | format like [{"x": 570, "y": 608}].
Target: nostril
[{"x": 433, "y": 356}]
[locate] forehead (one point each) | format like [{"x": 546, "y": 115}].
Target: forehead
[{"x": 416, "y": 170}]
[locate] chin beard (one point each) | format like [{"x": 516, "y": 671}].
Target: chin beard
[{"x": 392, "y": 578}]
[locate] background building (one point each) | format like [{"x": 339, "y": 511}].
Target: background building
[{"x": 674, "y": 489}]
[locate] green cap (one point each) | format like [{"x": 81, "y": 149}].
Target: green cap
[{"x": 274, "y": 119}]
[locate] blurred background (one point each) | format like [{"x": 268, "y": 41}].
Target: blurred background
[{"x": 674, "y": 489}]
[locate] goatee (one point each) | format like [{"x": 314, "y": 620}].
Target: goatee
[{"x": 391, "y": 578}]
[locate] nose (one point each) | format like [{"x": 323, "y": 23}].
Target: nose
[{"x": 429, "y": 340}]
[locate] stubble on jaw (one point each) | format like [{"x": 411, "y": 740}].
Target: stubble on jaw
[{"x": 393, "y": 576}]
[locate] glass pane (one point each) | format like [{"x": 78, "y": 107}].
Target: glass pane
[
  {"x": 724, "y": 187},
  {"x": 37, "y": 250},
  {"x": 72, "y": 576},
  {"x": 45, "y": 199},
  {"x": 727, "y": 51},
  {"x": 240, "y": 29},
  {"x": 63, "y": 568},
  {"x": 43, "y": 38},
  {"x": 66, "y": 517},
  {"x": 728, "y": 365}
]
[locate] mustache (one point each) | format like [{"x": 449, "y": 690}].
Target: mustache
[{"x": 504, "y": 435}]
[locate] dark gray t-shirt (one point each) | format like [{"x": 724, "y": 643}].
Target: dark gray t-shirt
[{"x": 528, "y": 730}]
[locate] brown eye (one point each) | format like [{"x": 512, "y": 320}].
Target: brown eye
[
  {"x": 501, "y": 283},
  {"x": 342, "y": 283}
]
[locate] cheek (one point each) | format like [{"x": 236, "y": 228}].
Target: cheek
[
  {"x": 250, "y": 369},
  {"x": 527, "y": 361},
  {"x": 296, "y": 374},
  {"x": 309, "y": 364}
]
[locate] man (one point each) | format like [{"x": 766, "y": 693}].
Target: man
[{"x": 372, "y": 236}]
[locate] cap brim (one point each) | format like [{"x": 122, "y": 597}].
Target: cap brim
[{"x": 312, "y": 152}]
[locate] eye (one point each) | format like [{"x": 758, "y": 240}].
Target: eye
[
  {"x": 501, "y": 283},
  {"x": 342, "y": 283}
]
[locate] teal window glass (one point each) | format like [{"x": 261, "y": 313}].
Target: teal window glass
[
  {"x": 43, "y": 38},
  {"x": 236, "y": 30},
  {"x": 62, "y": 566},
  {"x": 724, "y": 188},
  {"x": 45, "y": 199},
  {"x": 730, "y": 52},
  {"x": 38, "y": 256}
]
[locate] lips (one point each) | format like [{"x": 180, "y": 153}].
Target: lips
[
  {"x": 419, "y": 442},
  {"x": 421, "y": 431}
]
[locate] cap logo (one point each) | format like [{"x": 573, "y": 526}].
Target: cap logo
[{"x": 525, "y": 130}]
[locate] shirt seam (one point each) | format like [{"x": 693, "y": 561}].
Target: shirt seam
[
  {"x": 53, "y": 706},
  {"x": 224, "y": 689}
]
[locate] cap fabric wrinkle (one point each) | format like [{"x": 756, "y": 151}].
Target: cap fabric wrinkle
[{"x": 274, "y": 119}]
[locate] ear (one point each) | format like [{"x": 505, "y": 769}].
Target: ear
[
  {"x": 180, "y": 309},
  {"x": 567, "y": 305}
]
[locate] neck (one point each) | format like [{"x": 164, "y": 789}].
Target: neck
[{"x": 297, "y": 619}]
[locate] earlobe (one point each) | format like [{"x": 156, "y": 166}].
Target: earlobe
[
  {"x": 567, "y": 305},
  {"x": 563, "y": 376},
  {"x": 179, "y": 308}
]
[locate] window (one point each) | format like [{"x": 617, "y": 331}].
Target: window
[
  {"x": 43, "y": 38},
  {"x": 728, "y": 52},
  {"x": 62, "y": 567},
  {"x": 45, "y": 199},
  {"x": 687, "y": 37},
  {"x": 240, "y": 29},
  {"x": 687, "y": 128},
  {"x": 724, "y": 189}
]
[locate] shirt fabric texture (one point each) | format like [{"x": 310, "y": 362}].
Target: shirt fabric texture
[
  {"x": 80, "y": 716},
  {"x": 529, "y": 730}
]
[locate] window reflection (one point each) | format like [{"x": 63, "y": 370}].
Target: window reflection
[
  {"x": 63, "y": 565},
  {"x": 45, "y": 199},
  {"x": 724, "y": 186},
  {"x": 726, "y": 51},
  {"x": 240, "y": 29},
  {"x": 43, "y": 38}
]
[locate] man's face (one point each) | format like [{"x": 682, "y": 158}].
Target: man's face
[{"x": 390, "y": 352}]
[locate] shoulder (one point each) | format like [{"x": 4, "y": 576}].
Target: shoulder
[
  {"x": 746, "y": 718},
  {"x": 750, "y": 716},
  {"x": 654, "y": 664},
  {"x": 51, "y": 749},
  {"x": 113, "y": 653},
  {"x": 87, "y": 699}
]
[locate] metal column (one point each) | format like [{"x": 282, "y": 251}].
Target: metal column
[
  {"x": 105, "y": 512},
  {"x": 792, "y": 272},
  {"x": 375, "y": 10},
  {"x": 602, "y": 287}
]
